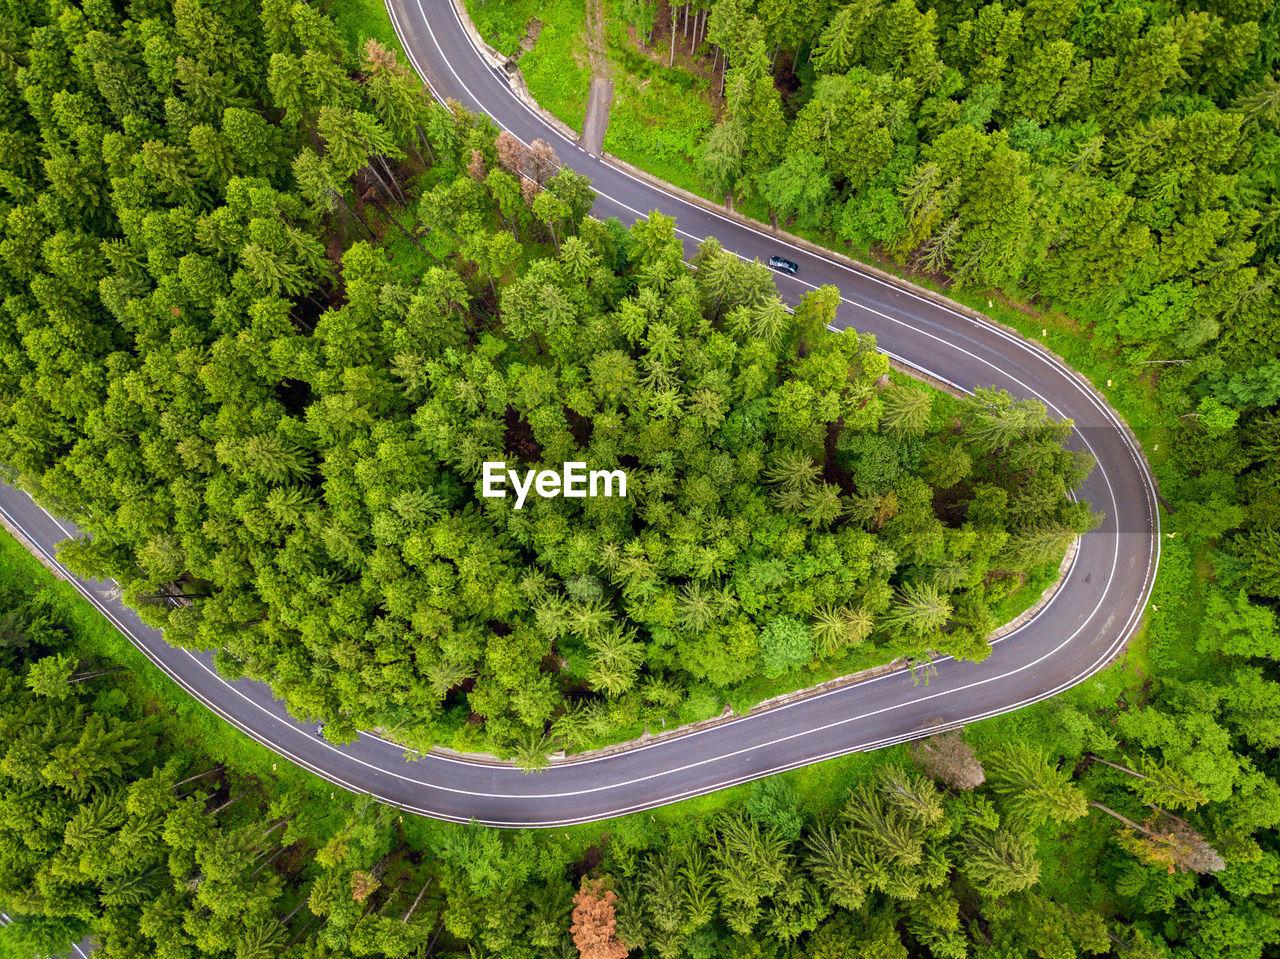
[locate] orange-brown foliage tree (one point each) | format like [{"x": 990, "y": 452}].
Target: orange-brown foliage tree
[{"x": 595, "y": 922}]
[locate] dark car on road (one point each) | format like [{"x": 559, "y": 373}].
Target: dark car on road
[{"x": 783, "y": 264}]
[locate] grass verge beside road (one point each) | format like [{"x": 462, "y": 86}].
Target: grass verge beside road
[
  {"x": 556, "y": 69},
  {"x": 659, "y": 114},
  {"x": 361, "y": 19}
]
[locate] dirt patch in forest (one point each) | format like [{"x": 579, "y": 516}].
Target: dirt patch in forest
[
  {"x": 600, "y": 96},
  {"x": 596, "y": 121},
  {"x": 597, "y": 56},
  {"x": 517, "y": 437},
  {"x": 591, "y": 858},
  {"x": 580, "y": 426},
  {"x": 657, "y": 48},
  {"x": 951, "y": 504},
  {"x": 1005, "y": 575},
  {"x": 833, "y": 471},
  {"x": 531, "y": 31}
]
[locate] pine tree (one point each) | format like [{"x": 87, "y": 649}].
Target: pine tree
[
  {"x": 918, "y": 610},
  {"x": 906, "y": 410},
  {"x": 1000, "y": 861},
  {"x": 1032, "y": 789}
]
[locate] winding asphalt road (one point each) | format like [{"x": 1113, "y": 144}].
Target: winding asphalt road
[{"x": 1078, "y": 632}]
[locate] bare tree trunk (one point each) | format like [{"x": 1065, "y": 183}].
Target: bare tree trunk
[
  {"x": 207, "y": 772},
  {"x": 1164, "y": 812},
  {"x": 381, "y": 865},
  {"x": 282, "y": 822},
  {"x": 723, "y": 70},
  {"x": 299, "y": 320},
  {"x": 773, "y": 57},
  {"x": 414, "y": 147},
  {"x": 82, "y": 677},
  {"x": 386, "y": 166},
  {"x": 301, "y": 932},
  {"x": 421, "y": 892},
  {"x": 390, "y": 897},
  {"x": 672, "y": 58},
  {"x": 359, "y": 219},
  {"x": 268, "y": 862},
  {"x": 234, "y": 799},
  {"x": 301, "y": 324},
  {"x": 372, "y": 167},
  {"x": 425, "y": 142},
  {"x": 296, "y": 910},
  {"x": 1066, "y": 908},
  {"x": 431, "y": 946},
  {"x": 1124, "y": 819},
  {"x": 1123, "y": 769},
  {"x": 974, "y": 925},
  {"x": 404, "y": 229}
]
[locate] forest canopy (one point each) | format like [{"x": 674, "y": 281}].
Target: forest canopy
[
  {"x": 1117, "y": 156},
  {"x": 263, "y": 307},
  {"x": 117, "y": 819},
  {"x": 265, "y": 316}
]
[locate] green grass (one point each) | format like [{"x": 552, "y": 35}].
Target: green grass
[
  {"x": 502, "y": 23},
  {"x": 822, "y": 787},
  {"x": 659, "y": 114},
  {"x": 359, "y": 20},
  {"x": 556, "y": 69}
]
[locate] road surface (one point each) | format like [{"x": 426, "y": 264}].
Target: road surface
[
  {"x": 1078, "y": 632},
  {"x": 80, "y": 950}
]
